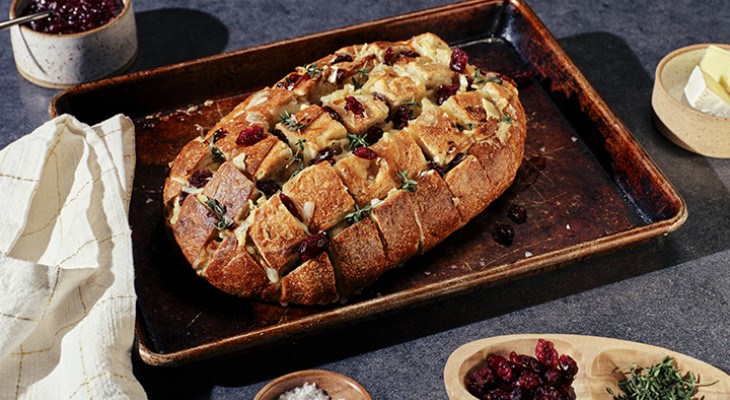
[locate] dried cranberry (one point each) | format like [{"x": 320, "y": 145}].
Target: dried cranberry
[
  {"x": 200, "y": 178},
  {"x": 332, "y": 113},
  {"x": 72, "y": 16},
  {"x": 280, "y": 135},
  {"x": 493, "y": 360},
  {"x": 479, "y": 381},
  {"x": 456, "y": 161},
  {"x": 342, "y": 57},
  {"x": 503, "y": 234},
  {"x": 459, "y": 60},
  {"x": 327, "y": 154},
  {"x": 289, "y": 204},
  {"x": 354, "y": 106},
  {"x": 250, "y": 135},
  {"x": 268, "y": 187},
  {"x": 504, "y": 371},
  {"x": 314, "y": 244},
  {"x": 373, "y": 135},
  {"x": 364, "y": 152},
  {"x": 339, "y": 76},
  {"x": 553, "y": 377},
  {"x": 546, "y": 353},
  {"x": 531, "y": 363},
  {"x": 567, "y": 392},
  {"x": 183, "y": 196},
  {"x": 517, "y": 213},
  {"x": 444, "y": 92},
  {"x": 436, "y": 167},
  {"x": 401, "y": 115},
  {"x": 389, "y": 56},
  {"x": 545, "y": 392},
  {"x": 568, "y": 366},
  {"x": 528, "y": 380}
]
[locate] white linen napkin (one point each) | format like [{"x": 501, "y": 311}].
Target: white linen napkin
[{"x": 67, "y": 300}]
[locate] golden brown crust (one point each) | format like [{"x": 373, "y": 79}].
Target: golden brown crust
[
  {"x": 232, "y": 270},
  {"x": 358, "y": 254},
  {"x": 319, "y": 188},
  {"x": 434, "y": 209},
  {"x": 381, "y": 147},
  {"x": 313, "y": 282},
  {"x": 276, "y": 233},
  {"x": 471, "y": 188},
  {"x": 398, "y": 227}
]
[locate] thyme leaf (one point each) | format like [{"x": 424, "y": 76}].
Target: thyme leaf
[
  {"x": 356, "y": 83},
  {"x": 218, "y": 155},
  {"x": 357, "y": 141},
  {"x": 312, "y": 70},
  {"x": 220, "y": 212},
  {"x": 508, "y": 118},
  {"x": 359, "y": 213},
  {"x": 290, "y": 121},
  {"x": 408, "y": 185}
]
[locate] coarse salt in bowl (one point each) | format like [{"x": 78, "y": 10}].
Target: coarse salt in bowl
[{"x": 63, "y": 60}]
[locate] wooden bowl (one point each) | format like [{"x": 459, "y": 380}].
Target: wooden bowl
[
  {"x": 599, "y": 360},
  {"x": 337, "y": 386},
  {"x": 691, "y": 129}
]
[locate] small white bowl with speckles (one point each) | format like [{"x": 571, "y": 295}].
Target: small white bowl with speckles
[{"x": 59, "y": 61}]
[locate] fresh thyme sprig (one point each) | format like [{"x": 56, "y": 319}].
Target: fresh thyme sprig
[
  {"x": 508, "y": 118},
  {"x": 220, "y": 212},
  {"x": 218, "y": 155},
  {"x": 357, "y": 141},
  {"x": 297, "y": 158},
  {"x": 359, "y": 213},
  {"x": 363, "y": 71},
  {"x": 356, "y": 83},
  {"x": 661, "y": 381},
  {"x": 408, "y": 185},
  {"x": 312, "y": 70},
  {"x": 290, "y": 121}
]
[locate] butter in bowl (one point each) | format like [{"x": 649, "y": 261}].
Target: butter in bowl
[{"x": 691, "y": 99}]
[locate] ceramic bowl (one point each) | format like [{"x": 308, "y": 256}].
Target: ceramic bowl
[
  {"x": 59, "y": 61},
  {"x": 691, "y": 129},
  {"x": 337, "y": 386}
]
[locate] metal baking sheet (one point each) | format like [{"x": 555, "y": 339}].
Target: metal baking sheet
[{"x": 587, "y": 185}]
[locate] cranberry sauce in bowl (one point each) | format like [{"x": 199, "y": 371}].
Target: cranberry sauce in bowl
[
  {"x": 82, "y": 41},
  {"x": 72, "y": 16}
]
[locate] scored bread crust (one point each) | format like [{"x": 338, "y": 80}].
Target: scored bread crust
[{"x": 311, "y": 189}]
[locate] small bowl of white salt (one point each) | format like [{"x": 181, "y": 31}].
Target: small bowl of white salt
[{"x": 313, "y": 384}]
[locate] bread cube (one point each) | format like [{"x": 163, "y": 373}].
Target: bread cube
[
  {"x": 434, "y": 210},
  {"x": 194, "y": 228},
  {"x": 232, "y": 190},
  {"x": 437, "y": 135},
  {"x": 395, "y": 85},
  {"x": 358, "y": 255},
  {"x": 359, "y": 112},
  {"x": 232, "y": 270},
  {"x": 365, "y": 179},
  {"x": 318, "y": 131},
  {"x": 312, "y": 283},
  {"x": 276, "y": 233},
  {"x": 470, "y": 186},
  {"x": 401, "y": 153},
  {"x": 320, "y": 196},
  {"x": 398, "y": 227}
]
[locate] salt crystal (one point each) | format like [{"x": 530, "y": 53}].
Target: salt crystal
[
  {"x": 528, "y": 254},
  {"x": 309, "y": 391},
  {"x": 567, "y": 226},
  {"x": 574, "y": 139}
]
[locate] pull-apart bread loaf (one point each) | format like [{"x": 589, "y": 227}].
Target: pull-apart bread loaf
[{"x": 311, "y": 189}]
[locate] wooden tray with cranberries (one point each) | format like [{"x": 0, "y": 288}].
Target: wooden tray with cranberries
[{"x": 585, "y": 186}]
